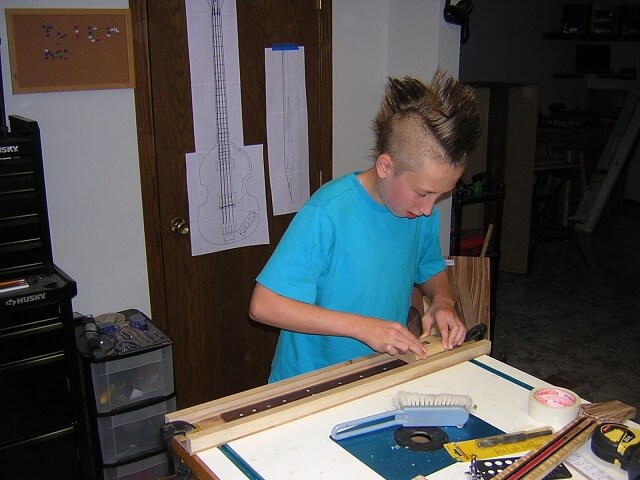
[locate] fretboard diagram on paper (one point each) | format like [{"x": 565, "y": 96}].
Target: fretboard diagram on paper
[{"x": 287, "y": 127}]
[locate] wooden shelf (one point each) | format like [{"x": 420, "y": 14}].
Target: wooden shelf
[
  {"x": 609, "y": 76},
  {"x": 592, "y": 37}
]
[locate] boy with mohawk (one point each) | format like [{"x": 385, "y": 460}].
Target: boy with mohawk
[{"x": 339, "y": 283}]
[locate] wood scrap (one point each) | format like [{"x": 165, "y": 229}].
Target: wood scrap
[
  {"x": 487, "y": 239},
  {"x": 468, "y": 314},
  {"x": 471, "y": 275}
]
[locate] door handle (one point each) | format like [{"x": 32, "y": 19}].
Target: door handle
[{"x": 179, "y": 226}]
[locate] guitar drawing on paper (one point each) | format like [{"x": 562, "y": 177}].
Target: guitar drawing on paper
[{"x": 228, "y": 212}]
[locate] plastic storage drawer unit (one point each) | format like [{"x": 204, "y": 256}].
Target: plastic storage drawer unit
[
  {"x": 133, "y": 433},
  {"x": 150, "y": 468},
  {"x": 130, "y": 380}
]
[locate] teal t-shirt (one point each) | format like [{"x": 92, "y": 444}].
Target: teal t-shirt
[{"x": 344, "y": 252}]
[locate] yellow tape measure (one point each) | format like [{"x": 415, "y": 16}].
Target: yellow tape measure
[{"x": 616, "y": 443}]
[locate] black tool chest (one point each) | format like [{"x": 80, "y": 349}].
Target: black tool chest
[
  {"x": 24, "y": 221},
  {"x": 40, "y": 402}
]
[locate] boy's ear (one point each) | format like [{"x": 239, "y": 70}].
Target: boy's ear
[{"x": 384, "y": 165}]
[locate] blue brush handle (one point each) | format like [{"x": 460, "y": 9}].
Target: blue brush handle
[
  {"x": 423, "y": 416},
  {"x": 360, "y": 426}
]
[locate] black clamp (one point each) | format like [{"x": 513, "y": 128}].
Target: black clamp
[
  {"x": 178, "y": 427},
  {"x": 477, "y": 332},
  {"x": 178, "y": 470}
]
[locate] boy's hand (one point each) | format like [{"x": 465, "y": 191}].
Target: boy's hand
[
  {"x": 443, "y": 314},
  {"x": 392, "y": 338}
]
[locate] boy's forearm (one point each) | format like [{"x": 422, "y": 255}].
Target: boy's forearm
[
  {"x": 382, "y": 336},
  {"x": 272, "y": 309},
  {"x": 437, "y": 288}
]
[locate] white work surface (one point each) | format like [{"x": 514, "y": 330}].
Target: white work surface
[{"x": 303, "y": 448}]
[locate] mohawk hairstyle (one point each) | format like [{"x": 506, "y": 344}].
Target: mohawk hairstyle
[{"x": 413, "y": 111}]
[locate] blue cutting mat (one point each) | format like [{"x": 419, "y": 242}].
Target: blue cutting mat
[{"x": 379, "y": 451}]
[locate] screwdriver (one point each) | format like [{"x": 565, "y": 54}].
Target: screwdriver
[{"x": 513, "y": 437}]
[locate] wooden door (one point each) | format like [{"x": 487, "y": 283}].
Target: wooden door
[{"x": 202, "y": 302}]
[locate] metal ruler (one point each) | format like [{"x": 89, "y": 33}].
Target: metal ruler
[{"x": 586, "y": 468}]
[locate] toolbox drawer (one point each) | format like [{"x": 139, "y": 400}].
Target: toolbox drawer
[
  {"x": 36, "y": 339},
  {"x": 37, "y": 395},
  {"x": 124, "y": 382},
  {"x": 133, "y": 433},
  {"x": 26, "y": 316},
  {"x": 150, "y": 468},
  {"x": 53, "y": 455}
]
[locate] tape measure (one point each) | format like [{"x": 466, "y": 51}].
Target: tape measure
[{"x": 618, "y": 444}]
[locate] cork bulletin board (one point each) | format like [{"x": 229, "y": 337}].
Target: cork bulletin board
[{"x": 69, "y": 49}]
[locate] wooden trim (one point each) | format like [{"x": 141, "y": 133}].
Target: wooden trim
[
  {"x": 325, "y": 120},
  {"x": 214, "y": 408},
  {"x": 195, "y": 464},
  {"x": 148, "y": 167},
  {"x": 216, "y": 432}
]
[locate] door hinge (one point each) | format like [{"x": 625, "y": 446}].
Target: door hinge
[{"x": 318, "y": 4}]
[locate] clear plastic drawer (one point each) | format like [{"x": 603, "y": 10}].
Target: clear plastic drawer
[{"x": 127, "y": 381}]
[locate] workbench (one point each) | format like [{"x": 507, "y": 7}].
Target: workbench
[{"x": 302, "y": 448}]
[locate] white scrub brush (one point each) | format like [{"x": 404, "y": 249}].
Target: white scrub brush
[{"x": 412, "y": 410}]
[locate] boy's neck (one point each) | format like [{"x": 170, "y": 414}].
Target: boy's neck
[{"x": 369, "y": 180}]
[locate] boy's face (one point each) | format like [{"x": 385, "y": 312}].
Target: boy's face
[{"x": 411, "y": 194}]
